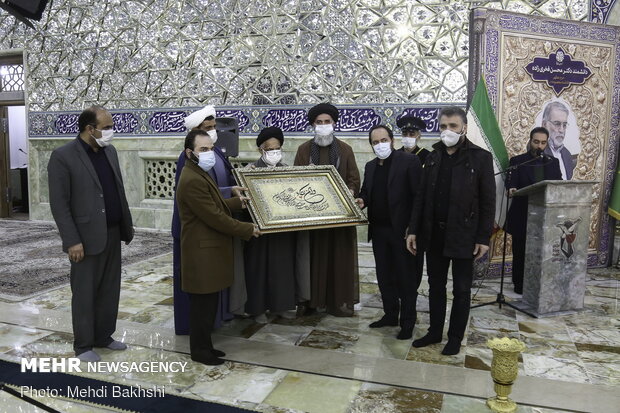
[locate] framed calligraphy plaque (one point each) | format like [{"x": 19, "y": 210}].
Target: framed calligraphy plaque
[{"x": 298, "y": 198}]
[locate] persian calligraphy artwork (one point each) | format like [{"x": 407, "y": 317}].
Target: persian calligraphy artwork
[{"x": 295, "y": 198}]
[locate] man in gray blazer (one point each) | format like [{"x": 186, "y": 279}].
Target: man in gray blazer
[{"x": 88, "y": 202}]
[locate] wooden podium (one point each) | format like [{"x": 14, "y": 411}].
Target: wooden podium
[{"x": 556, "y": 252}]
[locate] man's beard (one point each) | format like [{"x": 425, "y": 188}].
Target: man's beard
[
  {"x": 324, "y": 140},
  {"x": 557, "y": 143}
]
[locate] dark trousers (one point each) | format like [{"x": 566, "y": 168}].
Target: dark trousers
[
  {"x": 419, "y": 268},
  {"x": 396, "y": 274},
  {"x": 181, "y": 298},
  {"x": 95, "y": 289},
  {"x": 202, "y": 312},
  {"x": 462, "y": 274},
  {"x": 518, "y": 262}
]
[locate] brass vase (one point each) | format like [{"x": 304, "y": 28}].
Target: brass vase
[{"x": 504, "y": 370}]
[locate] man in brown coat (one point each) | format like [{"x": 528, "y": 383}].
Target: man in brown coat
[
  {"x": 207, "y": 231},
  {"x": 333, "y": 252}
]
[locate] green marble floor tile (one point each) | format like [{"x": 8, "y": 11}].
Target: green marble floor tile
[
  {"x": 313, "y": 393},
  {"x": 367, "y": 345},
  {"x": 239, "y": 327},
  {"x": 237, "y": 382},
  {"x": 387, "y": 399},
  {"x": 550, "y": 348},
  {"x": 52, "y": 345},
  {"x": 154, "y": 314},
  {"x": 555, "y": 368},
  {"x": 275, "y": 333},
  {"x": 15, "y": 337}
]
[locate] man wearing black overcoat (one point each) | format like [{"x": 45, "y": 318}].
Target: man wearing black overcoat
[
  {"x": 526, "y": 169},
  {"x": 453, "y": 220}
]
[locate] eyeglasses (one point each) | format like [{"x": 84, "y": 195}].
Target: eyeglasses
[{"x": 558, "y": 124}]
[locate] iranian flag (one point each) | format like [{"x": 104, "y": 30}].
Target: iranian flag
[{"x": 483, "y": 130}]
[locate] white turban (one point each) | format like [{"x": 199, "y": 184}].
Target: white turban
[{"x": 199, "y": 116}]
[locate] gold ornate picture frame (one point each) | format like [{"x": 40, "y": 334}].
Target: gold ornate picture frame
[{"x": 293, "y": 198}]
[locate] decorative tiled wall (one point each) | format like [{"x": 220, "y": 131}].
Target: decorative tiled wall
[
  {"x": 262, "y": 61},
  {"x": 137, "y": 54}
]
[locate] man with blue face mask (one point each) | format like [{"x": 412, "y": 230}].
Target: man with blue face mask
[
  {"x": 203, "y": 119},
  {"x": 333, "y": 252},
  {"x": 88, "y": 202},
  {"x": 207, "y": 231},
  {"x": 453, "y": 220},
  {"x": 389, "y": 189}
]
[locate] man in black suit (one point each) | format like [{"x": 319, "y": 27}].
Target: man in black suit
[
  {"x": 88, "y": 202},
  {"x": 390, "y": 184},
  {"x": 526, "y": 169}
]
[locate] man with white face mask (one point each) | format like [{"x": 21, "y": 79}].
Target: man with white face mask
[
  {"x": 453, "y": 220},
  {"x": 208, "y": 228},
  {"x": 269, "y": 143},
  {"x": 411, "y": 127},
  {"x": 389, "y": 189},
  {"x": 333, "y": 252},
  {"x": 203, "y": 119},
  {"x": 270, "y": 261},
  {"x": 88, "y": 202}
]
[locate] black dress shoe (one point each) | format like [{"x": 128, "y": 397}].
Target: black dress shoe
[
  {"x": 304, "y": 309},
  {"x": 209, "y": 361},
  {"x": 218, "y": 353},
  {"x": 518, "y": 290},
  {"x": 452, "y": 347},
  {"x": 383, "y": 322},
  {"x": 405, "y": 333},
  {"x": 427, "y": 340}
]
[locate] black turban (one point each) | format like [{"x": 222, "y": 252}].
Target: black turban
[
  {"x": 268, "y": 133},
  {"x": 410, "y": 122},
  {"x": 321, "y": 108}
]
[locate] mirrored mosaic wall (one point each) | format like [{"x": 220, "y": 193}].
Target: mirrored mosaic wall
[{"x": 174, "y": 53}]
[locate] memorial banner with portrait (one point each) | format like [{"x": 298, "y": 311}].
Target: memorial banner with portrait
[
  {"x": 298, "y": 198},
  {"x": 563, "y": 75}
]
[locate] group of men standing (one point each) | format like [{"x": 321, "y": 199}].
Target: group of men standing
[
  {"x": 440, "y": 203},
  {"x": 444, "y": 208}
]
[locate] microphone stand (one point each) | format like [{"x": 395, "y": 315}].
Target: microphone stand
[{"x": 501, "y": 299}]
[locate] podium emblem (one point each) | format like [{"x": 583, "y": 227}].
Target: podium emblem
[{"x": 568, "y": 235}]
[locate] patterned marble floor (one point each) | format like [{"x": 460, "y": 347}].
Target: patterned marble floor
[{"x": 327, "y": 364}]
